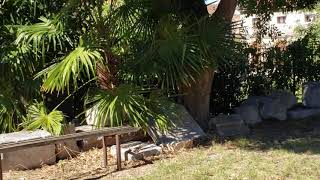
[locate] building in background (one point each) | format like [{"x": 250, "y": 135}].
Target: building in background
[{"x": 284, "y": 24}]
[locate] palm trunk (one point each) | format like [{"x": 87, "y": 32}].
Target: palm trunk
[{"x": 197, "y": 98}]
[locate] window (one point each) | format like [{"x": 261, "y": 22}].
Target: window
[
  {"x": 281, "y": 19},
  {"x": 309, "y": 18}
]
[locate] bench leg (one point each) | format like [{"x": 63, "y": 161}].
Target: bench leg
[
  {"x": 105, "y": 154},
  {"x": 118, "y": 152},
  {"x": 1, "y": 175}
]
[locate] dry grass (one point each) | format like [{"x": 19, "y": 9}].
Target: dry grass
[
  {"x": 236, "y": 159},
  {"x": 271, "y": 152},
  {"x": 85, "y": 165},
  {"x": 228, "y": 161}
]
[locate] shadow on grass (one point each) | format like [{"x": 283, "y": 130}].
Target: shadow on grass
[{"x": 299, "y": 136}]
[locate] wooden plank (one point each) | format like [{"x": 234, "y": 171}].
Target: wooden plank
[{"x": 76, "y": 136}]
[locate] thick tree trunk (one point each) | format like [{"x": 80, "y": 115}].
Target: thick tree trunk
[{"x": 197, "y": 97}]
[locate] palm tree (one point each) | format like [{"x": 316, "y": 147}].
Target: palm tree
[{"x": 139, "y": 52}]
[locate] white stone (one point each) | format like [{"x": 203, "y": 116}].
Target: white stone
[
  {"x": 91, "y": 116},
  {"x": 311, "y": 94},
  {"x": 136, "y": 150},
  {"x": 183, "y": 133},
  {"x": 28, "y": 158}
]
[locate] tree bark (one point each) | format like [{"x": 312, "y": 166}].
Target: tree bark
[{"x": 197, "y": 96}]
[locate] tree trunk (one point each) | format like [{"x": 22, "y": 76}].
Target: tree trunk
[{"x": 197, "y": 96}]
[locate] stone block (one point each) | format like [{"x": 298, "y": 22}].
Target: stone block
[
  {"x": 269, "y": 107},
  {"x": 69, "y": 148},
  {"x": 285, "y": 98},
  {"x": 273, "y": 109},
  {"x": 249, "y": 113},
  {"x": 311, "y": 94},
  {"x": 136, "y": 150},
  {"x": 229, "y": 125},
  {"x": 184, "y": 131},
  {"x": 28, "y": 158},
  {"x": 303, "y": 113}
]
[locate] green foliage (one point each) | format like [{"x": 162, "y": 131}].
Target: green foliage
[
  {"x": 9, "y": 110},
  {"x": 158, "y": 45},
  {"x": 80, "y": 62},
  {"x": 42, "y": 35},
  {"x": 285, "y": 66},
  {"x": 126, "y": 105},
  {"x": 38, "y": 117}
]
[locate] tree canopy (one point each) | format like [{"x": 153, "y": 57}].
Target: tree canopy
[{"x": 130, "y": 56}]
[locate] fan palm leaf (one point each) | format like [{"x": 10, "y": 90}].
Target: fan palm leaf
[
  {"x": 80, "y": 63},
  {"x": 125, "y": 105},
  {"x": 38, "y": 117}
]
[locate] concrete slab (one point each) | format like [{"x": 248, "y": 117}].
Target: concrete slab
[
  {"x": 182, "y": 135},
  {"x": 29, "y": 158},
  {"x": 136, "y": 150}
]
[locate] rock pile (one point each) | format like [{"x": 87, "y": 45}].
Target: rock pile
[{"x": 279, "y": 105}]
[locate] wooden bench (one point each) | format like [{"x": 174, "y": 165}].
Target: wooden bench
[{"x": 105, "y": 132}]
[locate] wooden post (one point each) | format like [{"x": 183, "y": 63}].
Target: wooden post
[
  {"x": 1, "y": 175},
  {"x": 105, "y": 154},
  {"x": 118, "y": 152}
]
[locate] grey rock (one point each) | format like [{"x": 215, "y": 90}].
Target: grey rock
[
  {"x": 273, "y": 109},
  {"x": 257, "y": 101},
  {"x": 249, "y": 113},
  {"x": 311, "y": 94},
  {"x": 136, "y": 150},
  {"x": 28, "y": 158},
  {"x": 229, "y": 125},
  {"x": 270, "y": 107},
  {"x": 183, "y": 133},
  {"x": 285, "y": 98},
  {"x": 303, "y": 113}
]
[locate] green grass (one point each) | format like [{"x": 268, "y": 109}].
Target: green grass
[{"x": 243, "y": 159}]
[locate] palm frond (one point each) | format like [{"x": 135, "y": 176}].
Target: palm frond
[
  {"x": 80, "y": 63},
  {"x": 39, "y": 118},
  {"x": 8, "y": 113},
  {"x": 174, "y": 57},
  {"x": 125, "y": 105},
  {"x": 43, "y": 35}
]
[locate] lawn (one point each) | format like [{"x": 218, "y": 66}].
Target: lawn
[
  {"x": 235, "y": 160},
  {"x": 274, "y": 150}
]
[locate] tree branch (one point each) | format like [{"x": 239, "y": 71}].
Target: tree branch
[{"x": 226, "y": 9}]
